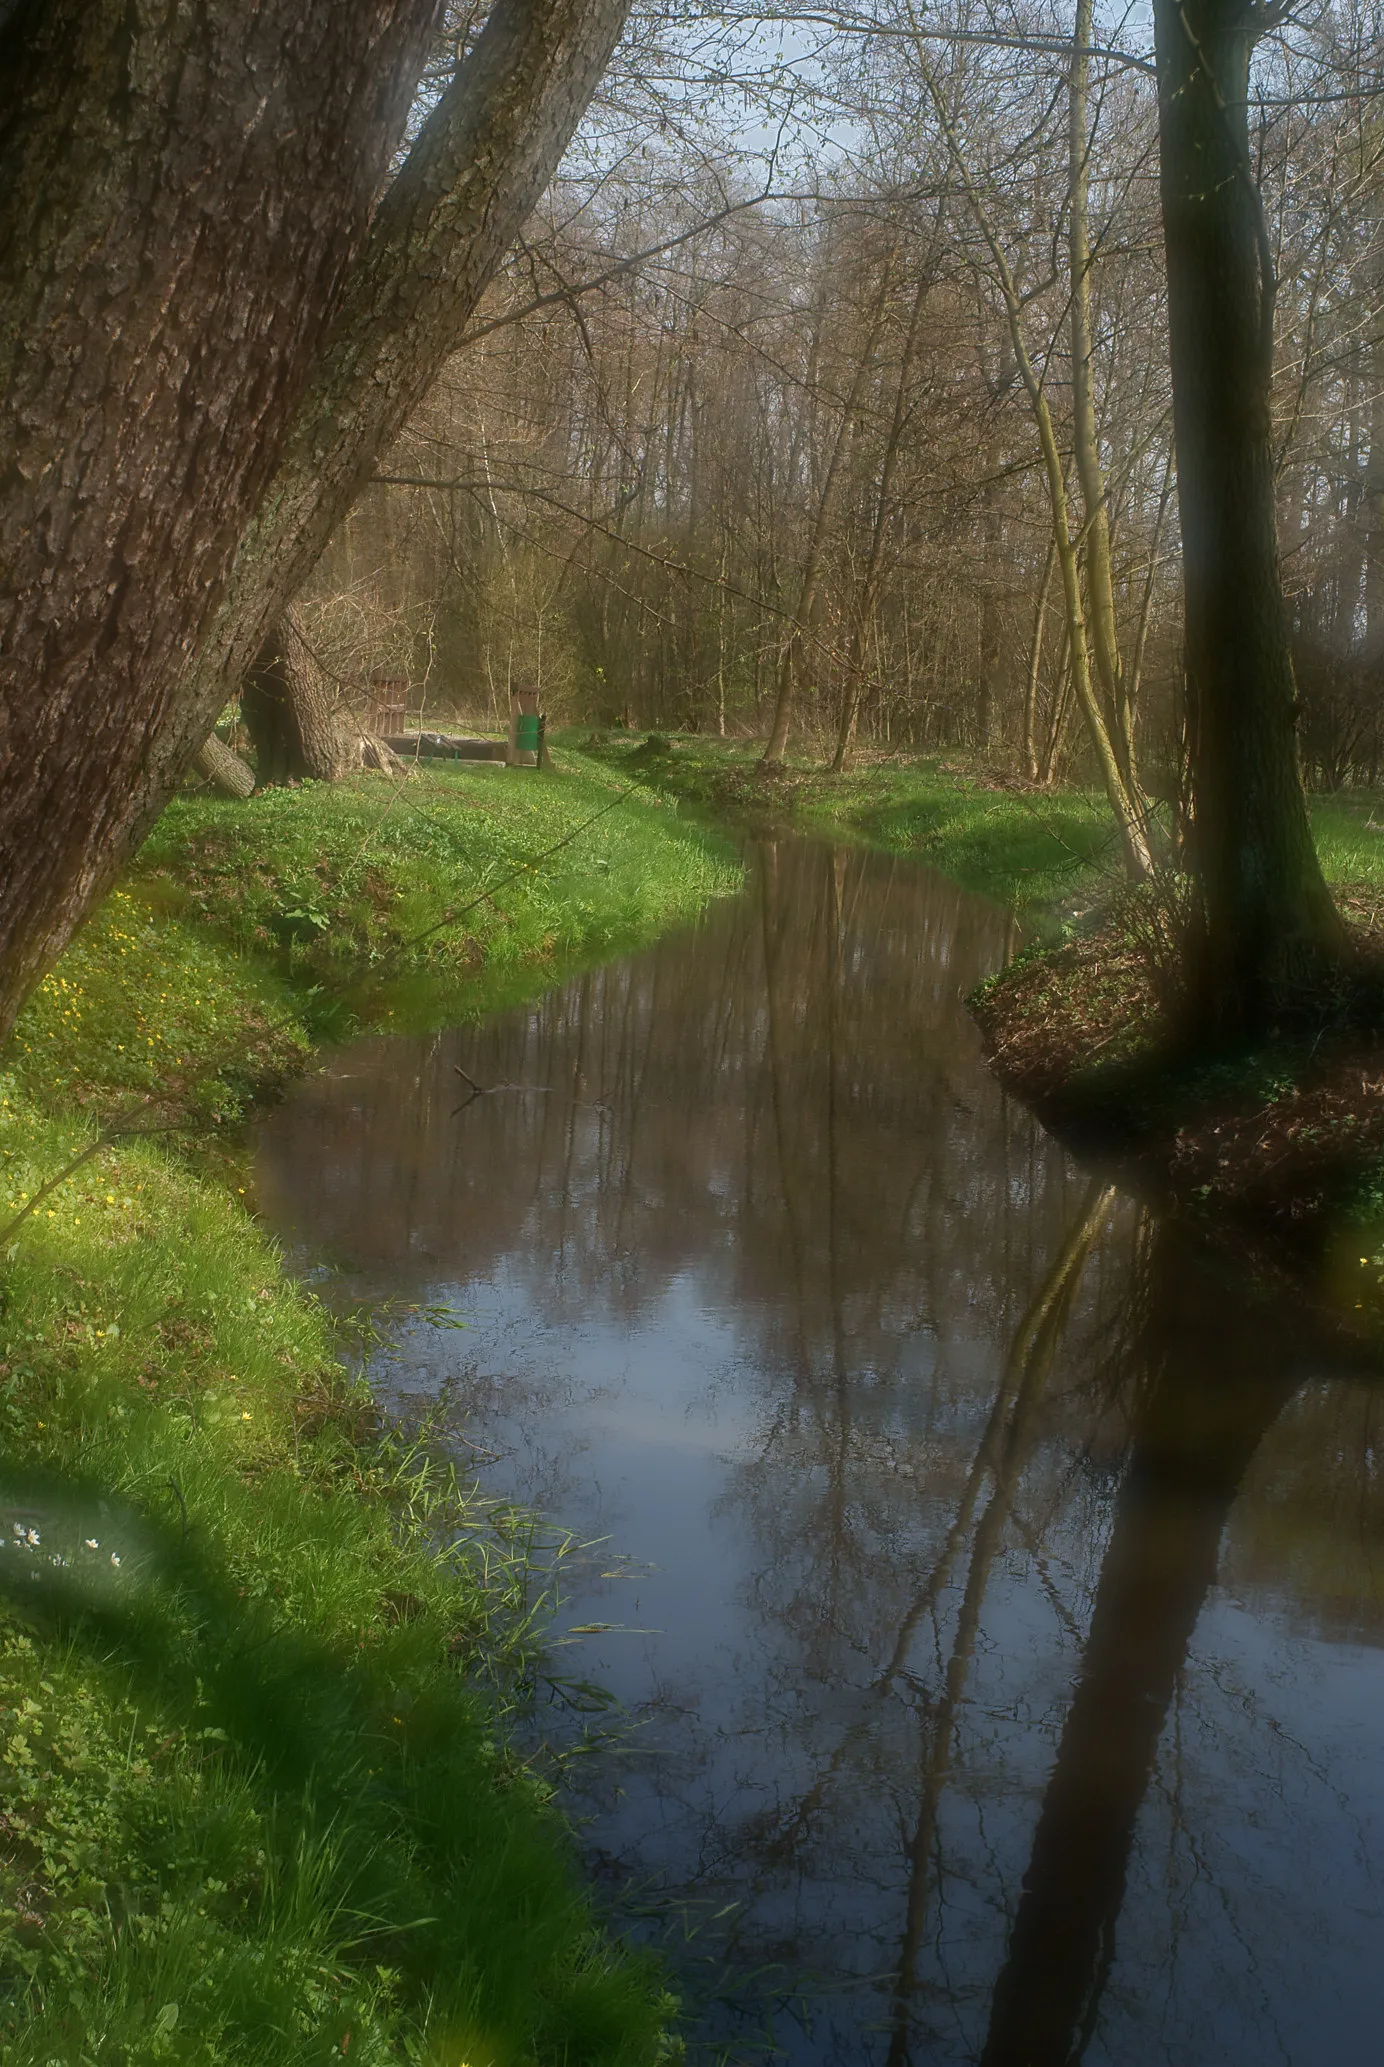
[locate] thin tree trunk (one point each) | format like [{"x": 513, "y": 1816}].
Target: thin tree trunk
[
  {"x": 1100, "y": 587},
  {"x": 1128, "y": 807},
  {"x": 869, "y": 587},
  {"x": 1374, "y": 504},
  {"x": 806, "y": 614},
  {"x": 1035, "y": 664}
]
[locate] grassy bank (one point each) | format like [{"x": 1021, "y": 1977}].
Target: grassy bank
[
  {"x": 1044, "y": 853},
  {"x": 1048, "y": 854},
  {"x": 258, "y": 1652},
  {"x": 1290, "y": 1139},
  {"x": 248, "y": 931}
]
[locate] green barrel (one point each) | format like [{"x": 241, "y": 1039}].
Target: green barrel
[{"x": 527, "y": 732}]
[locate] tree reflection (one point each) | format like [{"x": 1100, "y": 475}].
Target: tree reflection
[
  {"x": 1211, "y": 1380},
  {"x": 965, "y": 1447},
  {"x": 1002, "y": 1456}
]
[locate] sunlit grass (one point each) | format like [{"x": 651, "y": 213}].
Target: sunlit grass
[
  {"x": 249, "y": 930},
  {"x": 253, "y": 1660},
  {"x": 258, "y": 1654},
  {"x": 450, "y": 877},
  {"x": 1042, "y": 852},
  {"x": 143, "y": 1002}
]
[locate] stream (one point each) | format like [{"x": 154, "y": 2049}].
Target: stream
[{"x": 992, "y": 1583}]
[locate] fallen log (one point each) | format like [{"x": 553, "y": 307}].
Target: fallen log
[
  {"x": 223, "y": 768},
  {"x": 444, "y": 746}
]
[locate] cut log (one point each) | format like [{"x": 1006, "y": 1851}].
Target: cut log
[
  {"x": 445, "y": 746},
  {"x": 228, "y": 775}
]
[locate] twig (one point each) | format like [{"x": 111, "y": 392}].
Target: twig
[
  {"x": 104, "y": 1139},
  {"x": 182, "y": 1507},
  {"x": 456, "y": 912}
]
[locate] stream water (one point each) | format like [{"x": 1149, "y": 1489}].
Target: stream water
[{"x": 994, "y": 1585}]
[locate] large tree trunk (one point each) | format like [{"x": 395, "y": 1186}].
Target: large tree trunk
[
  {"x": 301, "y": 728},
  {"x": 224, "y": 202},
  {"x": 182, "y": 193},
  {"x": 1268, "y": 930}
]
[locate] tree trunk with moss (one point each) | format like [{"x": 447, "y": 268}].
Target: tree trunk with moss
[{"x": 1268, "y": 934}]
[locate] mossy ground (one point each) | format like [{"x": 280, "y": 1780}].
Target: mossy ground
[{"x": 256, "y": 1652}]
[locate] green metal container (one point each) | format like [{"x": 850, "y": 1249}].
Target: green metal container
[{"x": 528, "y": 730}]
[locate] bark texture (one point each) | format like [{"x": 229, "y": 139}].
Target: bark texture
[
  {"x": 206, "y": 356},
  {"x": 1269, "y": 932},
  {"x": 183, "y": 190},
  {"x": 303, "y": 729},
  {"x": 480, "y": 163},
  {"x": 223, "y": 768}
]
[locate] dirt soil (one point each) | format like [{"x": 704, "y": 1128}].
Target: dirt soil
[{"x": 1288, "y": 1139}]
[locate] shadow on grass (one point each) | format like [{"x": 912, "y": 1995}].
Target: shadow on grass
[{"x": 296, "y": 1849}]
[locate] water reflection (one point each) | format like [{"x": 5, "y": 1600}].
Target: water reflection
[{"x": 997, "y": 1583}]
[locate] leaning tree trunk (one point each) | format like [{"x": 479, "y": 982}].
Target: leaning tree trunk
[
  {"x": 300, "y": 725},
  {"x": 1268, "y": 931},
  {"x": 183, "y": 191},
  {"x": 223, "y": 769},
  {"x": 183, "y": 198}
]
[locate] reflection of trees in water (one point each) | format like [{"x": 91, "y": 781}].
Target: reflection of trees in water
[
  {"x": 788, "y": 1104},
  {"x": 1199, "y": 1389},
  {"x": 787, "y": 1099}
]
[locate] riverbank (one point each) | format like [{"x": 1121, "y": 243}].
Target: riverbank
[
  {"x": 1284, "y": 1141},
  {"x": 1048, "y": 855},
  {"x": 259, "y": 1651},
  {"x": 1288, "y": 1142}
]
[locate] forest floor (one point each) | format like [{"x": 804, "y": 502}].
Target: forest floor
[
  {"x": 259, "y": 1803},
  {"x": 1287, "y": 1140}
]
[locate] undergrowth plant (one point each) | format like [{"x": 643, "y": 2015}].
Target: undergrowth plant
[
  {"x": 256, "y": 1659},
  {"x": 260, "y": 1655}
]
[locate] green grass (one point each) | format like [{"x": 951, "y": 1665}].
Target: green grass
[
  {"x": 354, "y": 885},
  {"x": 1350, "y": 838},
  {"x": 1045, "y": 853},
  {"x": 147, "y": 1004},
  {"x": 1036, "y": 851},
  {"x": 247, "y": 932},
  {"x": 254, "y": 1658},
  {"x": 258, "y": 1655}
]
